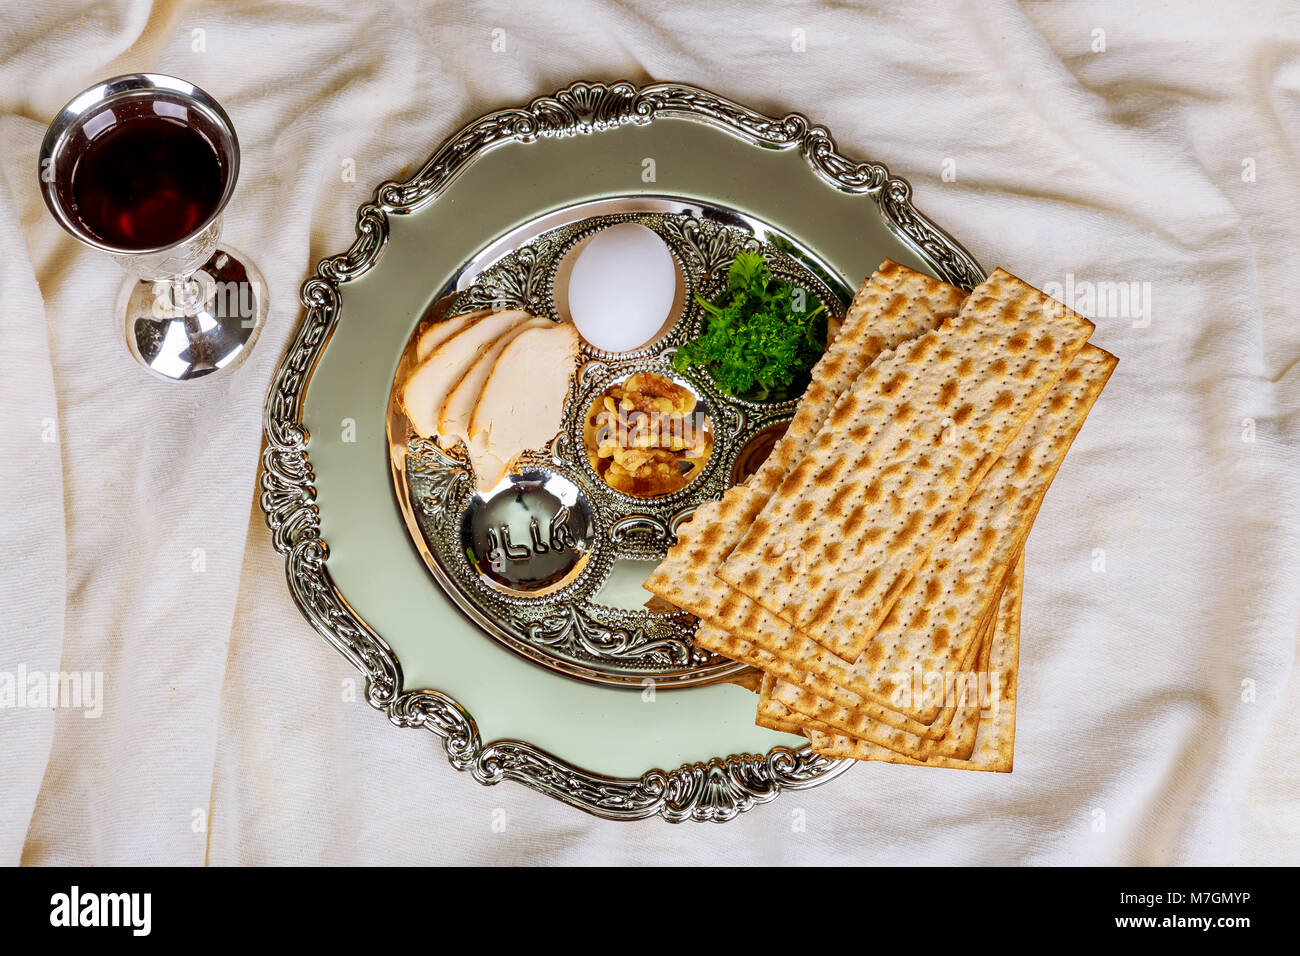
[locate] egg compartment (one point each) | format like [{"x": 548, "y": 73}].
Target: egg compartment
[{"x": 561, "y": 266}]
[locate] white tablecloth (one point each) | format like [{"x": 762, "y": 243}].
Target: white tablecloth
[{"x": 1158, "y": 708}]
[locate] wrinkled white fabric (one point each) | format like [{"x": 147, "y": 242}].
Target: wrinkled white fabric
[{"x": 1158, "y": 712}]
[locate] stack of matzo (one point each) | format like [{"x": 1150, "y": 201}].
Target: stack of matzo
[{"x": 871, "y": 569}]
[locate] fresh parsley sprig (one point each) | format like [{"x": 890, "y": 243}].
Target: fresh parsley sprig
[{"x": 756, "y": 344}]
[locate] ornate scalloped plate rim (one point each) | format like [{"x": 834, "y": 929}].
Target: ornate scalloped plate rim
[{"x": 716, "y": 790}]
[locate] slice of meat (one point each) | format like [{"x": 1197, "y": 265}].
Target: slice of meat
[
  {"x": 458, "y": 409},
  {"x": 522, "y": 402},
  {"x": 437, "y": 375},
  {"x": 440, "y": 332}
]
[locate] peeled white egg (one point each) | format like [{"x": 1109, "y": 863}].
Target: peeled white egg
[{"x": 622, "y": 287}]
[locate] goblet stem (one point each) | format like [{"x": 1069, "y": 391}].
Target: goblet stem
[{"x": 184, "y": 328}]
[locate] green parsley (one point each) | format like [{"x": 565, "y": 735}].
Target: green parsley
[{"x": 755, "y": 343}]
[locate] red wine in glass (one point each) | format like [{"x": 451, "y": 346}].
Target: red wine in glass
[{"x": 146, "y": 182}]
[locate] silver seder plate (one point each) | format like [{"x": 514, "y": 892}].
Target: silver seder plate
[{"x": 550, "y": 564}]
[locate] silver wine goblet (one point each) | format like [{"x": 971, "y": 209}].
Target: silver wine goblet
[{"x": 141, "y": 167}]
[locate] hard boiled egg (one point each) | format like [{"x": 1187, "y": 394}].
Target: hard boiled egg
[{"x": 622, "y": 287}]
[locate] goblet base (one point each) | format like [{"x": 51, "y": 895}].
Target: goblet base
[{"x": 186, "y": 328}]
